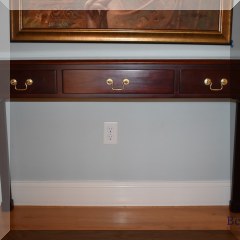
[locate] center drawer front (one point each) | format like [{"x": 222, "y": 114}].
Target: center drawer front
[{"x": 140, "y": 81}]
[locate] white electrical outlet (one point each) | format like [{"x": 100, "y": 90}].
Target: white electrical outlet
[{"x": 110, "y": 132}]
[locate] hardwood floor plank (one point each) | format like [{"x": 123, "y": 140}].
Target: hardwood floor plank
[
  {"x": 235, "y": 224},
  {"x": 4, "y": 223},
  {"x": 120, "y": 235},
  {"x": 120, "y": 218}
]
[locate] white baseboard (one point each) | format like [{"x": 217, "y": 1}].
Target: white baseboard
[{"x": 111, "y": 193}]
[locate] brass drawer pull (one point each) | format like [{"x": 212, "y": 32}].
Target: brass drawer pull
[
  {"x": 110, "y": 82},
  {"x": 28, "y": 82},
  {"x": 208, "y": 82}
]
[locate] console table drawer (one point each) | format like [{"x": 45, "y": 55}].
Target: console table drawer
[
  {"x": 33, "y": 82},
  {"x": 205, "y": 81},
  {"x": 118, "y": 81}
]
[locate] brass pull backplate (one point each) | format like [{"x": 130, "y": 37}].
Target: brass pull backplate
[
  {"x": 14, "y": 83},
  {"x": 208, "y": 82},
  {"x": 110, "y": 82}
]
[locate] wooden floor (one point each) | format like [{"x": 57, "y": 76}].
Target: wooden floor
[
  {"x": 120, "y": 218},
  {"x": 4, "y": 223},
  {"x": 121, "y": 223},
  {"x": 120, "y": 235},
  {"x": 235, "y": 228}
]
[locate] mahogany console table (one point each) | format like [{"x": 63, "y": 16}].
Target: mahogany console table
[{"x": 53, "y": 80}]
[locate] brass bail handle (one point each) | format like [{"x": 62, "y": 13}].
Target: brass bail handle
[
  {"x": 208, "y": 82},
  {"x": 14, "y": 83},
  {"x": 125, "y": 82}
]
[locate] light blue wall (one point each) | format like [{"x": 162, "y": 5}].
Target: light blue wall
[
  {"x": 157, "y": 141},
  {"x": 235, "y": 51},
  {"x": 119, "y": 51},
  {"x": 4, "y": 33},
  {"x": 176, "y": 140}
]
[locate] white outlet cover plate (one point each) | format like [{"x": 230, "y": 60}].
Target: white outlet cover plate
[{"x": 110, "y": 133}]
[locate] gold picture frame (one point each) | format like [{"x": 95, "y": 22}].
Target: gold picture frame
[{"x": 186, "y": 26}]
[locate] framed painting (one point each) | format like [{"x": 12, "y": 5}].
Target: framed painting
[{"x": 103, "y": 24}]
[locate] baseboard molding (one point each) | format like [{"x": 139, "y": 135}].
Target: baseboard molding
[{"x": 111, "y": 193}]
